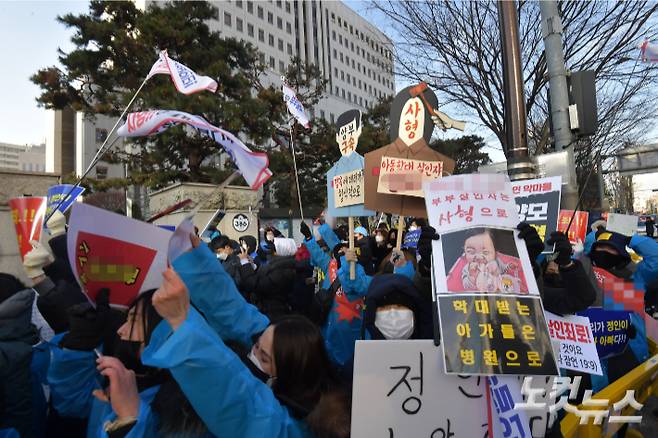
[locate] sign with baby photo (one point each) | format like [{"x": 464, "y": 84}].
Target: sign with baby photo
[{"x": 480, "y": 262}]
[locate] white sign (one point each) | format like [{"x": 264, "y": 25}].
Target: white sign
[
  {"x": 402, "y": 176},
  {"x": 625, "y": 224},
  {"x": 348, "y": 188},
  {"x": 400, "y": 391},
  {"x": 573, "y": 343},
  {"x": 180, "y": 241},
  {"x": 240, "y": 223},
  {"x": 106, "y": 249}
]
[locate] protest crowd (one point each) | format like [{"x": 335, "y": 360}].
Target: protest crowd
[{"x": 260, "y": 337}]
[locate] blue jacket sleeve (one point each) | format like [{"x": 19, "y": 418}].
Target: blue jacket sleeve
[
  {"x": 319, "y": 258},
  {"x": 72, "y": 377},
  {"x": 214, "y": 293},
  {"x": 357, "y": 287},
  {"x": 328, "y": 235},
  {"x": 227, "y": 397},
  {"x": 407, "y": 270},
  {"x": 647, "y": 269}
]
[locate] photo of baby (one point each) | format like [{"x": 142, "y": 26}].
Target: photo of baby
[{"x": 483, "y": 260}]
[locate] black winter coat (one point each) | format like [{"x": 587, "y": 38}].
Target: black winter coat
[
  {"x": 55, "y": 299},
  {"x": 572, "y": 293},
  {"x": 269, "y": 288},
  {"x": 17, "y": 335}
]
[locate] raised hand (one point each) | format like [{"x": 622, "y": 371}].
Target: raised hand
[{"x": 172, "y": 300}]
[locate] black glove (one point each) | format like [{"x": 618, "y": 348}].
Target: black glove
[
  {"x": 563, "y": 248},
  {"x": 651, "y": 299},
  {"x": 424, "y": 248},
  {"x": 87, "y": 325},
  {"x": 305, "y": 230},
  {"x": 532, "y": 240}
]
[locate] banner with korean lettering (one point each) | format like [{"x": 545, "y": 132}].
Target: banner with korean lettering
[
  {"x": 347, "y": 165},
  {"x": 400, "y": 391},
  {"x": 578, "y": 230},
  {"x": 348, "y": 188},
  {"x": 403, "y": 176},
  {"x": 109, "y": 250},
  {"x": 57, "y": 193},
  {"x": 484, "y": 279},
  {"x": 574, "y": 343},
  {"x": 610, "y": 330},
  {"x": 27, "y": 213},
  {"x": 538, "y": 203}
]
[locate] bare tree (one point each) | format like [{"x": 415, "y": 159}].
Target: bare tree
[{"x": 455, "y": 47}]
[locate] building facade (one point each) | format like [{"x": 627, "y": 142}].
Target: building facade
[{"x": 28, "y": 158}]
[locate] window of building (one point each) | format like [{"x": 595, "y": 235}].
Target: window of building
[
  {"x": 348, "y": 78},
  {"x": 238, "y": 3},
  {"x": 288, "y": 28},
  {"x": 250, "y": 7},
  {"x": 101, "y": 135},
  {"x": 270, "y": 18},
  {"x": 262, "y": 57},
  {"x": 280, "y": 44},
  {"x": 322, "y": 113},
  {"x": 260, "y": 12},
  {"x": 353, "y": 81},
  {"x": 288, "y": 7},
  {"x": 332, "y": 117},
  {"x": 270, "y": 40},
  {"x": 349, "y": 96},
  {"x": 337, "y": 92},
  {"x": 340, "y": 39},
  {"x": 351, "y": 30},
  {"x": 272, "y": 62},
  {"x": 342, "y": 75},
  {"x": 333, "y": 35},
  {"x": 359, "y": 84},
  {"x": 335, "y": 54},
  {"x": 261, "y": 35},
  {"x": 340, "y": 21},
  {"x": 250, "y": 29},
  {"x": 282, "y": 68},
  {"x": 279, "y": 23},
  {"x": 353, "y": 64},
  {"x": 101, "y": 172},
  {"x": 341, "y": 57},
  {"x": 347, "y": 60},
  {"x": 238, "y": 24},
  {"x": 278, "y": 3},
  {"x": 289, "y": 49},
  {"x": 227, "y": 18},
  {"x": 342, "y": 92},
  {"x": 352, "y": 46}
]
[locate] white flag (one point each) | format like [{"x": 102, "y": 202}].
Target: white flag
[
  {"x": 252, "y": 165},
  {"x": 185, "y": 79},
  {"x": 295, "y": 106},
  {"x": 649, "y": 52}
]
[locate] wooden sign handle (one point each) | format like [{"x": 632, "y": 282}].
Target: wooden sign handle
[
  {"x": 352, "y": 264},
  {"x": 398, "y": 245}
]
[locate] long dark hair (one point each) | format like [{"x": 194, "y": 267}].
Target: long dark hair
[{"x": 303, "y": 369}]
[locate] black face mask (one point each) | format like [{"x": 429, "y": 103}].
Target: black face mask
[
  {"x": 128, "y": 352},
  {"x": 605, "y": 260}
]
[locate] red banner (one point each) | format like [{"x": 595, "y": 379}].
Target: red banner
[
  {"x": 27, "y": 214},
  {"x": 578, "y": 230}
]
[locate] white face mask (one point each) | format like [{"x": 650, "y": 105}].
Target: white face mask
[
  {"x": 413, "y": 228},
  {"x": 222, "y": 256},
  {"x": 379, "y": 238},
  {"x": 254, "y": 359},
  {"x": 270, "y": 237},
  {"x": 395, "y": 323}
]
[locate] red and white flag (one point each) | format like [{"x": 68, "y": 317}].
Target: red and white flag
[
  {"x": 185, "y": 79},
  {"x": 252, "y": 165},
  {"x": 649, "y": 52}
]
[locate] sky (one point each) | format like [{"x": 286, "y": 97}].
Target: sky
[{"x": 34, "y": 37}]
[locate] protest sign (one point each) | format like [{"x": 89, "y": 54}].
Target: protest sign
[
  {"x": 484, "y": 279},
  {"x": 573, "y": 343},
  {"x": 625, "y": 224},
  {"x": 400, "y": 176},
  {"x": 495, "y": 334},
  {"x": 348, "y": 188},
  {"x": 27, "y": 213},
  {"x": 508, "y": 422},
  {"x": 538, "y": 203},
  {"x": 610, "y": 330},
  {"x": 180, "y": 242},
  {"x": 400, "y": 391},
  {"x": 56, "y": 194},
  {"x": 110, "y": 250},
  {"x": 578, "y": 230},
  {"x": 411, "y": 239},
  {"x": 411, "y": 129}
]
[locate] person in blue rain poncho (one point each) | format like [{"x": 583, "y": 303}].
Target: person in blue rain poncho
[{"x": 227, "y": 395}]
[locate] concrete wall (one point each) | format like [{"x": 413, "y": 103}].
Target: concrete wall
[{"x": 14, "y": 184}]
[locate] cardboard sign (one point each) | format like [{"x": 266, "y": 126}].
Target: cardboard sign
[
  {"x": 180, "y": 242},
  {"x": 610, "y": 330},
  {"x": 109, "y": 250},
  {"x": 578, "y": 230},
  {"x": 625, "y": 224},
  {"x": 348, "y": 188},
  {"x": 400, "y": 391},
  {"x": 56, "y": 194},
  {"x": 411, "y": 239},
  {"x": 538, "y": 203},
  {"x": 345, "y": 165},
  {"x": 495, "y": 334},
  {"x": 400, "y": 176},
  {"x": 573, "y": 343},
  {"x": 505, "y": 393},
  {"x": 27, "y": 213},
  {"x": 410, "y": 131}
]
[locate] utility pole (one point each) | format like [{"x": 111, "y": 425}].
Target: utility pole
[
  {"x": 519, "y": 165},
  {"x": 557, "y": 82}
]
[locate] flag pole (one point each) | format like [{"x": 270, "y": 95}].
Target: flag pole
[
  {"x": 294, "y": 163},
  {"x": 99, "y": 153}
]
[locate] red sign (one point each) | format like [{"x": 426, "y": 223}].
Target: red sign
[
  {"x": 115, "y": 264},
  {"x": 27, "y": 214},
  {"x": 578, "y": 229}
]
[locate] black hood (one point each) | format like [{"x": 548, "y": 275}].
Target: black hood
[{"x": 397, "y": 289}]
